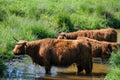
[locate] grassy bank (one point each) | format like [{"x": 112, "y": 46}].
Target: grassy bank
[
  {"x": 37, "y": 19},
  {"x": 114, "y": 72}
]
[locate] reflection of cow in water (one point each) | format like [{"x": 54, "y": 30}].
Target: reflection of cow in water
[
  {"x": 101, "y": 49},
  {"x": 109, "y": 34},
  {"x": 57, "y": 52}
]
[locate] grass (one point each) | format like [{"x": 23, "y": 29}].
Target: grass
[
  {"x": 37, "y": 19},
  {"x": 114, "y": 72}
]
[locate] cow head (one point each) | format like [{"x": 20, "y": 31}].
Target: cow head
[
  {"x": 20, "y": 48},
  {"x": 62, "y": 36},
  {"x": 106, "y": 52}
]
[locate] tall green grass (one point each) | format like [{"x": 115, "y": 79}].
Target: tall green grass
[{"x": 114, "y": 72}]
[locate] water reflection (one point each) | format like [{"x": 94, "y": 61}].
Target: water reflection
[{"x": 25, "y": 70}]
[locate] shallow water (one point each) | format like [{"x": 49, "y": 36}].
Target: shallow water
[{"x": 25, "y": 70}]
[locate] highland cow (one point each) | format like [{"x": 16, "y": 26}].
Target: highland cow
[
  {"x": 57, "y": 52},
  {"x": 109, "y": 35},
  {"x": 101, "y": 49}
]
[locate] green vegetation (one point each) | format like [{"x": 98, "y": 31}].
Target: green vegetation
[
  {"x": 2, "y": 68},
  {"x": 114, "y": 72},
  {"x": 37, "y": 19}
]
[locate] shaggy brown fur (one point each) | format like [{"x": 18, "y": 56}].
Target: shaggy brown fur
[
  {"x": 101, "y": 49},
  {"x": 109, "y": 35},
  {"x": 57, "y": 52}
]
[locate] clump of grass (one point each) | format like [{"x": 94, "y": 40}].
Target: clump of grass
[
  {"x": 64, "y": 22},
  {"x": 114, "y": 20},
  {"x": 114, "y": 72},
  {"x": 43, "y": 32}
]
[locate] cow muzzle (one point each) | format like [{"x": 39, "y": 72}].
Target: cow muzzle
[{"x": 15, "y": 52}]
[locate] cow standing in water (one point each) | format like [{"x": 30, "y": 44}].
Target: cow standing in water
[
  {"x": 57, "y": 52},
  {"x": 101, "y": 49},
  {"x": 108, "y": 34}
]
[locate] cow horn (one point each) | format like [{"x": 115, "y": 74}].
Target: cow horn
[{"x": 15, "y": 39}]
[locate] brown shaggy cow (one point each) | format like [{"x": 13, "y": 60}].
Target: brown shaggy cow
[
  {"x": 108, "y": 34},
  {"x": 57, "y": 52},
  {"x": 101, "y": 49}
]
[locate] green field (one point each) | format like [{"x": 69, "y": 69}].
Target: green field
[{"x": 37, "y": 19}]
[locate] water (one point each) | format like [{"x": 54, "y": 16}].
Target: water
[
  {"x": 26, "y": 70},
  {"x": 21, "y": 70}
]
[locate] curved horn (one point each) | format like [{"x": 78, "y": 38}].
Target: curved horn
[{"x": 15, "y": 39}]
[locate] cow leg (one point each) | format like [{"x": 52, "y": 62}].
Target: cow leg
[
  {"x": 88, "y": 67},
  {"x": 88, "y": 71},
  {"x": 80, "y": 68},
  {"x": 47, "y": 69}
]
